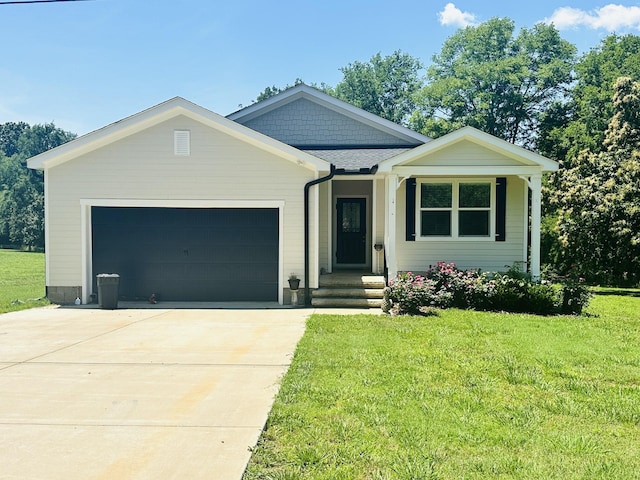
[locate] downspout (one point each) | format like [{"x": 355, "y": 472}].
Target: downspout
[{"x": 307, "y": 187}]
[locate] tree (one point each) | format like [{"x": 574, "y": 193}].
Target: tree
[
  {"x": 599, "y": 222},
  {"x": 22, "y": 209},
  {"x": 21, "y": 189},
  {"x": 501, "y": 84},
  {"x": 10, "y": 171},
  {"x": 580, "y": 125},
  {"x": 586, "y": 117},
  {"x": 40, "y": 138},
  {"x": 9, "y": 134},
  {"x": 384, "y": 86},
  {"x": 21, "y": 204},
  {"x": 269, "y": 92}
]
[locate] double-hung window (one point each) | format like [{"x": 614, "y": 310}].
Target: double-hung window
[{"x": 456, "y": 209}]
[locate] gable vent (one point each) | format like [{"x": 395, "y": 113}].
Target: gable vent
[{"x": 182, "y": 143}]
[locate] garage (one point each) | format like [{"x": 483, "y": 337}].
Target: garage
[{"x": 188, "y": 254}]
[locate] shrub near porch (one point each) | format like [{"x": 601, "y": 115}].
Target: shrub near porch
[{"x": 445, "y": 286}]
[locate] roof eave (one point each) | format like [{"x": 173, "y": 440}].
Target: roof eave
[
  {"x": 160, "y": 113},
  {"x": 475, "y": 136}
]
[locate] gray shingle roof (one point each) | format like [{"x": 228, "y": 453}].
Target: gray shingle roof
[{"x": 356, "y": 158}]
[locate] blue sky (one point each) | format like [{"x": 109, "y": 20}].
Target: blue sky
[{"x": 83, "y": 65}]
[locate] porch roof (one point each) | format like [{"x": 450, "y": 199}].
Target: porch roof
[{"x": 356, "y": 158}]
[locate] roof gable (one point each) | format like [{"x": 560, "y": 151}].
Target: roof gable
[
  {"x": 305, "y": 117},
  {"x": 466, "y": 148},
  {"x": 160, "y": 113}
]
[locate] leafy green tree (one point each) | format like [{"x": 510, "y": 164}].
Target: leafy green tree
[
  {"x": 385, "y": 86},
  {"x": 599, "y": 221},
  {"x": 580, "y": 125},
  {"x": 21, "y": 189},
  {"x": 22, "y": 209},
  {"x": 272, "y": 91},
  {"x": 9, "y": 173},
  {"x": 586, "y": 117},
  {"x": 17, "y": 192},
  {"x": 9, "y": 134},
  {"x": 40, "y": 138},
  {"x": 502, "y": 84},
  {"x": 11, "y": 169}
]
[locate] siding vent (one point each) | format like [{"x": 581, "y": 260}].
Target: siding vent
[{"x": 182, "y": 143}]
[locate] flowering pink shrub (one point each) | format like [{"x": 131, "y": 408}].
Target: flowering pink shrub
[
  {"x": 409, "y": 292},
  {"x": 468, "y": 288},
  {"x": 445, "y": 286}
]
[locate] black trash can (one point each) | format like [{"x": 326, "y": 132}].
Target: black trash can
[{"x": 108, "y": 284}]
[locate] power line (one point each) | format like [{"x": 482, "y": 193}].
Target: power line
[{"x": 40, "y": 1}]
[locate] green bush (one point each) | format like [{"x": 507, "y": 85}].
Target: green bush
[
  {"x": 575, "y": 296},
  {"x": 445, "y": 286},
  {"x": 460, "y": 285},
  {"x": 407, "y": 293},
  {"x": 543, "y": 299},
  {"x": 524, "y": 296}
]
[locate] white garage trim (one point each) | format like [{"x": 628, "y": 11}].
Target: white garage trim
[
  {"x": 85, "y": 214},
  {"x": 47, "y": 238}
]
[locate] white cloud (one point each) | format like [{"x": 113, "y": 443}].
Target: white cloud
[
  {"x": 453, "y": 16},
  {"x": 611, "y": 17}
]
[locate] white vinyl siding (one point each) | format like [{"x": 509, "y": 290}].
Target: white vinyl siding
[
  {"x": 143, "y": 167},
  {"x": 465, "y": 153},
  {"x": 481, "y": 253}
]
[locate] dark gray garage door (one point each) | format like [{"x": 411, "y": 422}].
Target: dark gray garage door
[{"x": 188, "y": 254}]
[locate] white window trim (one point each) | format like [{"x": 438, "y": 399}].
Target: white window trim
[{"x": 455, "y": 209}]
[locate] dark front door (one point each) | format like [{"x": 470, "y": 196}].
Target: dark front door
[{"x": 351, "y": 230}]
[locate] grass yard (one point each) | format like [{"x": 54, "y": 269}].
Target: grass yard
[
  {"x": 461, "y": 395},
  {"x": 22, "y": 283}
]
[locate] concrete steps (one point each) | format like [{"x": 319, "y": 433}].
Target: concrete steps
[
  {"x": 348, "y": 293},
  {"x": 347, "y": 302},
  {"x": 349, "y": 289}
]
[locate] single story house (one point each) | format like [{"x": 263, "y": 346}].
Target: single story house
[{"x": 194, "y": 206}]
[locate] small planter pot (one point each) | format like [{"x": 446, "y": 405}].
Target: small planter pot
[{"x": 294, "y": 283}]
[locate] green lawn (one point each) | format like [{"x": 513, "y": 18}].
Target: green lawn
[
  {"x": 22, "y": 283},
  {"x": 465, "y": 394}
]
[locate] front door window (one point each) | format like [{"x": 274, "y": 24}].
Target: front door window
[{"x": 351, "y": 231}]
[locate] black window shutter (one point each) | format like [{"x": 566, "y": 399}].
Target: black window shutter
[
  {"x": 410, "y": 208},
  {"x": 501, "y": 209}
]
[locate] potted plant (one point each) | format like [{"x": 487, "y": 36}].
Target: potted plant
[{"x": 294, "y": 281}]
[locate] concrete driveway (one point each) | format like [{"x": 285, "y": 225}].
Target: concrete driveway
[{"x": 138, "y": 393}]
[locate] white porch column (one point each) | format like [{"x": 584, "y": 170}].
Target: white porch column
[
  {"x": 535, "y": 183},
  {"x": 391, "y": 186}
]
